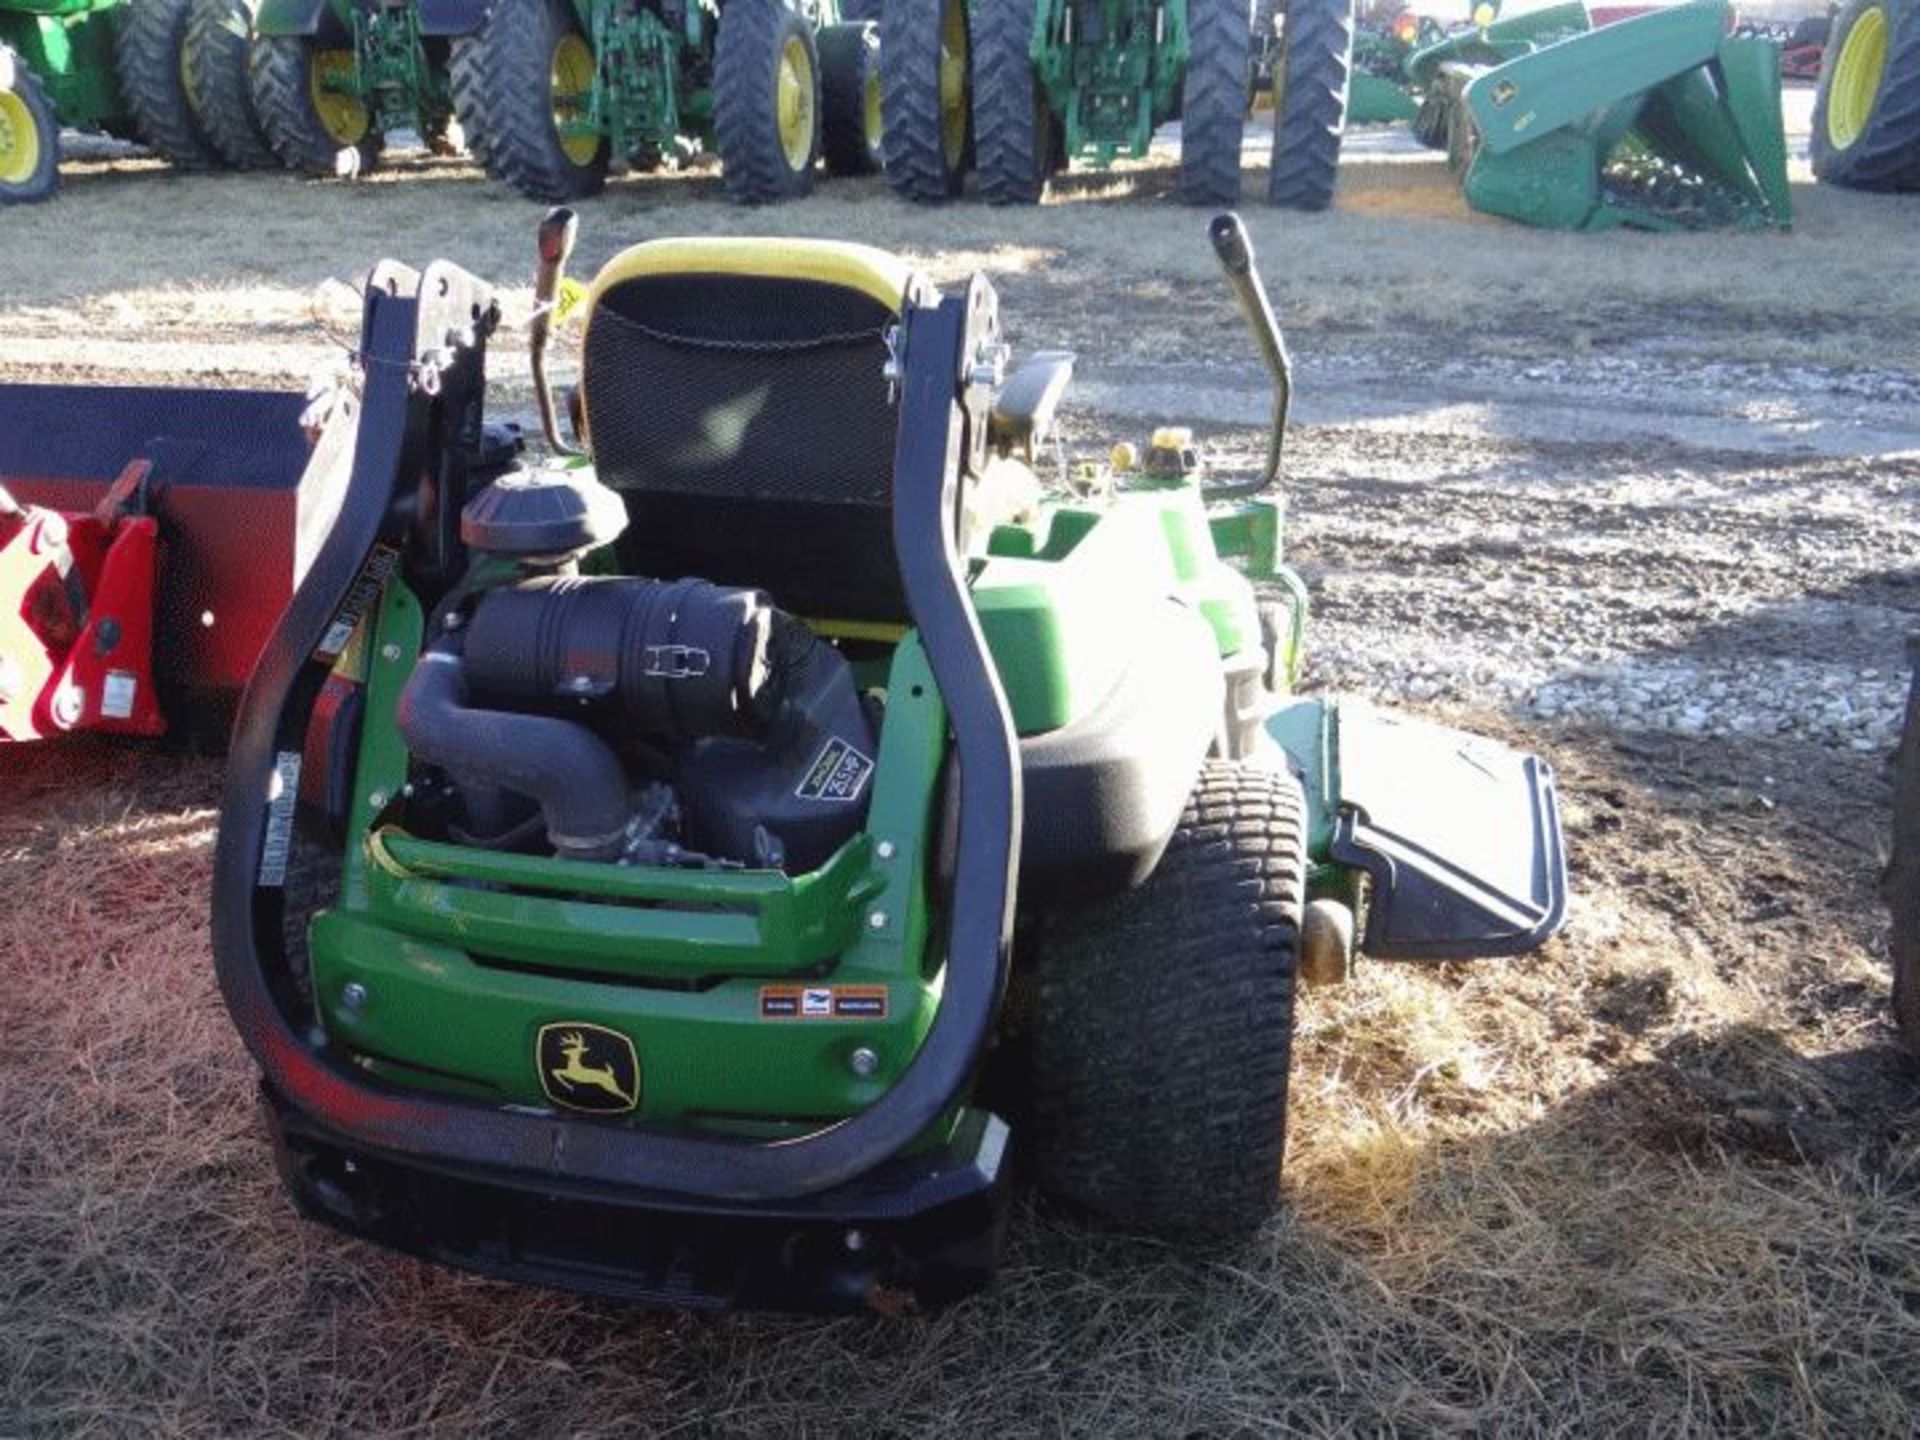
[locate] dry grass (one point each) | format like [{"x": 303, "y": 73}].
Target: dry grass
[
  {"x": 154, "y": 265},
  {"x": 1663, "y": 1179}
]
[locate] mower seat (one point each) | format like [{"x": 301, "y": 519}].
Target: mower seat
[{"x": 736, "y": 393}]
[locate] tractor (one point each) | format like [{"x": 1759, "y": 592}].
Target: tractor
[
  {"x": 109, "y": 65},
  {"x": 323, "y": 83},
  {"x": 696, "y": 867},
  {"x": 1866, "y": 113},
  {"x": 556, "y": 92},
  {"x": 149, "y": 539},
  {"x": 1045, "y": 84}
]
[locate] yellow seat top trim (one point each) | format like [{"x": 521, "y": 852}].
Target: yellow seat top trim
[{"x": 873, "y": 272}]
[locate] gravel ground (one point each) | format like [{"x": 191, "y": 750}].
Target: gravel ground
[{"x": 1573, "y": 547}]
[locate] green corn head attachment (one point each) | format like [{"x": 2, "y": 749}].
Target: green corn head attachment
[{"x": 1660, "y": 122}]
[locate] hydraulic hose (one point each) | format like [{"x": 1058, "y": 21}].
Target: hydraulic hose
[{"x": 575, "y": 776}]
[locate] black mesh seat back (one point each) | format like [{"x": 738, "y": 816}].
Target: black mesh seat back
[{"x": 747, "y": 421}]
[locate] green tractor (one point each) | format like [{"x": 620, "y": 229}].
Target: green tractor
[
  {"x": 1049, "y": 83},
  {"x": 691, "y": 869},
  {"x": 323, "y": 83},
  {"x": 1866, "y": 116},
  {"x": 558, "y": 91},
  {"x": 109, "y": 65}
]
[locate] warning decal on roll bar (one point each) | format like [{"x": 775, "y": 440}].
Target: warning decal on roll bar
[
  {"x": 838, "y": 773},
  {"x": 367, "y": 585}
]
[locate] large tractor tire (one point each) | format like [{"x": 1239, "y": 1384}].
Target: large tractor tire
[
  {"x": 148, "y": 47},
  {"x": 218, "y": 47},
  {"x": 1162, "y": 1021},
  {"x": 926, "y": 98},
  {"x": 29, "y": 135},
  {"x": 1866, "y": 115},
  {"x": 1902, "y": 881},
  {"x": 528, "y": 74},
  {"x": 1014, "y": 131},
  {"x": 1213, "y": 105},
  {"x": 313, "y": 125},
  {"x": 851, "y": 124},
  {"x": 766, "y": 101},
  {"x": 463, "y": 83},
  {"x": 1310, "y": 105}
]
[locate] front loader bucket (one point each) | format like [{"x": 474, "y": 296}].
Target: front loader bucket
[
  {"x": 1659, "y": 122},
  {"x": 237, "y": 518}
]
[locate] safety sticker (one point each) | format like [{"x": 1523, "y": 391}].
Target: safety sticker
[
  {"x": 117, "y": 695},
  {"x": 823, "y": 1002},
  {"x": 283, "y": 794},
  {"x": 366, "y": 589},
  {"x": 838, "y": 773}
]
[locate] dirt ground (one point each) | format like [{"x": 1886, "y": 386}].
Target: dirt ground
[{"x": 1648, "y": 505}]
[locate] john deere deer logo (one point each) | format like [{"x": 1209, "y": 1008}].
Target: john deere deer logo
[{"x": 588, "y": 1067}]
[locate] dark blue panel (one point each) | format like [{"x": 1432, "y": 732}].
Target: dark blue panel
[{"x": 244, "y": 438}]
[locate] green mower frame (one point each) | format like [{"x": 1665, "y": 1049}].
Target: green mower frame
[
  {"x": 1022, "y": 835},
  {"x": 556, "y": 91}
]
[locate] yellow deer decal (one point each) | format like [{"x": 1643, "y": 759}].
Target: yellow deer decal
[{"x": 577, "y": 1073}]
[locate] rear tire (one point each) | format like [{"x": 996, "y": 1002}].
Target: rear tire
[
  {"x": 925, "y": 92},
  {"x": 147, "y": 55},
  {"x": 312, "y": 129},
  {"x": 1902, "y": 882},
  {"x": 766, "y": 101},
  {"x": 515, "y": 104},
  {"x": 1866, "y": 114},
  {"x": 1163, "y": 1019},
  {"x": 1012, "y": 124},
  {"x": 29, "y": 137},
  {"x": 463, "y": 83},
  {"x": 1213, "y": 108},
  {"x": 218, "y": 46},
  {"x": 1310, "y": 110},
  {"x": 851, "y": 129}
]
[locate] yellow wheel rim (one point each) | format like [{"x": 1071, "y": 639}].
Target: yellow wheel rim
[
  {"x": 795, "y": 102},
  {"x": 871, "y": 118},
  {"x": 953, "y": 82},
  {"x": 19, "y": 140},
  {"x": 573, "y": 98},
  {"x": 330, "y": 84},
  {"x": 1856, "y": 78}
]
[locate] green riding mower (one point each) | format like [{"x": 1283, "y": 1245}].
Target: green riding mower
[
  {"x": 108, "y": 65},
  {"x": 1020, "y": 89},
  {"x": 557, "y": 91},
  {"x": 692, "y": 870},
  {"x": 1866, "y": 116}
]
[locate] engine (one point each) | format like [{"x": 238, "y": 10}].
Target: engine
[{"x": 627, "y": 720}]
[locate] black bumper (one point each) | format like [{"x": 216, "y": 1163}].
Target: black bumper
[{"x": 916, "y": 1232}]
